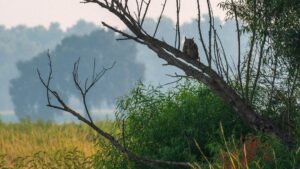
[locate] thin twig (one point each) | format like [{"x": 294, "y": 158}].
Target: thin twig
[
  {"x": 178, "y": 38},
  {"x": 159, "y": 18},
  {"x": 239, "y": 48},
  {"x": 200, "y": 32}
]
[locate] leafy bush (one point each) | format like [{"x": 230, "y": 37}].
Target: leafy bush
[{"x": 165, "y": 124}]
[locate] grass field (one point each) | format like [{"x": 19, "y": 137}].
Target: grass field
[
  {"x": 26, "y": 141},
  {"x": 45, "y": 145}
]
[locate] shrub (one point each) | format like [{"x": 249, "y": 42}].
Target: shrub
[{"x": 164, "y": 124}]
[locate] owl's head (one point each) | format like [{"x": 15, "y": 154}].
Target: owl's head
[{"x": 188, "y": 41}]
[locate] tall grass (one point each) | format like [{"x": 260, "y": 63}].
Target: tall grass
[
  {"x": 253, "y": 152},
  {"x": 34, "y": 144}
]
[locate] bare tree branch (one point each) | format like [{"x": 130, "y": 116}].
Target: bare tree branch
[
  {"x": 211, "y": 26},
  {"x": 177, "y": 34},
  {"x": 95, "y": 78},
  {"x": 259, "y": 67},
  {"x": 239, "y": 48},
  {"x": 249, "y": 68},
  {"x": 159, "y": 19},
  {"x": 146, "y": 11},
  {"x": 200, "y": 31},
  {"x": 64, "y": 107}
]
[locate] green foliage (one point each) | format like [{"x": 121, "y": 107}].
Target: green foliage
[
  {"x": 274, "y": 26},
  {"x": 110, "y": 158},
  {"x": 107, "y": 156},
  {"x": 164, "y": 124},
  {"x": 183, "y": 124},
  {"x": 278, "y": 19}
]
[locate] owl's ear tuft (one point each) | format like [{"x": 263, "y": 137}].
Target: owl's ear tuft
[
  {"x": 185, "y": 38},
  {"x": 192, "y": 38}
]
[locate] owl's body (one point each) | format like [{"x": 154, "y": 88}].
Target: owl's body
[{"x": 190, "y": 49}]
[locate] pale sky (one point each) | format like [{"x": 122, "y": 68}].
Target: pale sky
[{"x": 68, "y": 12}]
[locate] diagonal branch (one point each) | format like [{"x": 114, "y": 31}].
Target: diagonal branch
[{"x": 64, "y": 107}]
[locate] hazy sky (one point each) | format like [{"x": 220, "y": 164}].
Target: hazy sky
[{"x": 67, "y": 12}]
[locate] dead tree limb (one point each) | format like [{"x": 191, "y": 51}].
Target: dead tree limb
[{"x": 63, "y": 106}]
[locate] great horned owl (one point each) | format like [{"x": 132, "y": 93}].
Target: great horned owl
[{"x": 190, "y": 49}]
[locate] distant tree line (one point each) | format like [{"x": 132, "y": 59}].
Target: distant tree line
[
  {"x": 27, "y": 92},
  {"x": 22, "y": 43}
]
